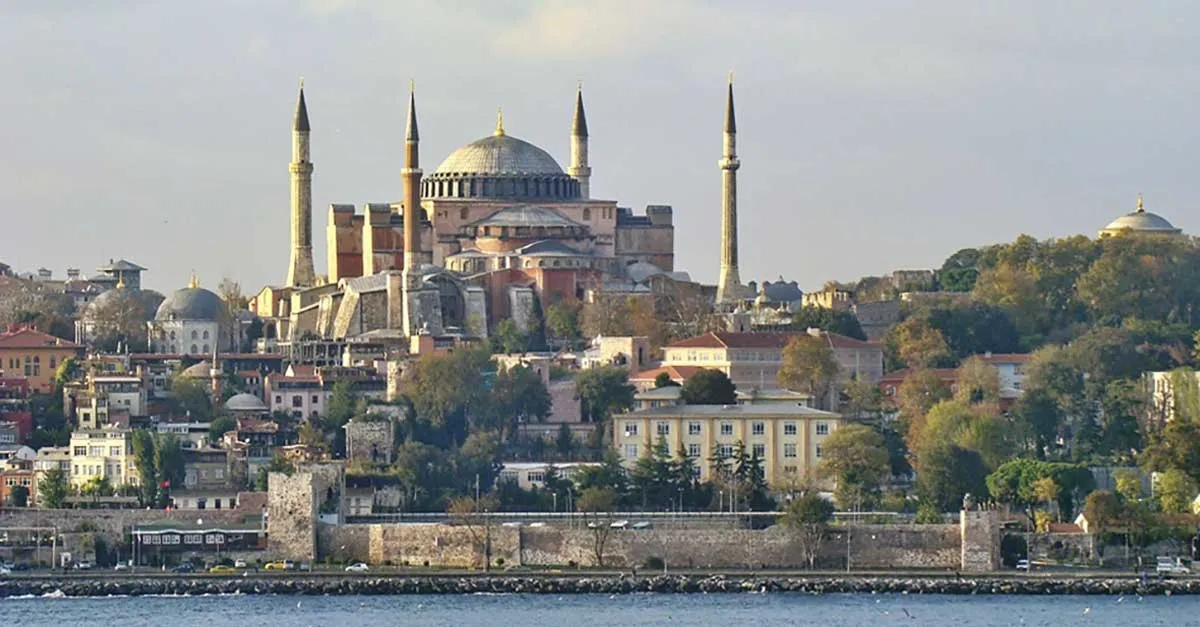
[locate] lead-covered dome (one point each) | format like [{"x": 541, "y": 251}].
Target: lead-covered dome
[
  {"x": 190, "y": 303},
  {"x": 502, "y": 167},
  {"x": 245, "y": 402},
  {"x": 1141, "y": 221}
]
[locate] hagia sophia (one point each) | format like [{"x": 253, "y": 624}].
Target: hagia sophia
[{"x": 499, "y": 230}]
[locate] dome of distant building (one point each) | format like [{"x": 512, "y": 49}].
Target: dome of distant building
[
  {"x": 201, "y": 370},
  {"x": 500, "y": 166},
  {"x": 245, "y": 402},
  {"x": 1140, "y": 221},
  {"x": 190, "y": 303},
  {"x": 110, "y": 299}
]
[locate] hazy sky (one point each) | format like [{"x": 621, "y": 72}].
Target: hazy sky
[{"x": 874, "y": 134}]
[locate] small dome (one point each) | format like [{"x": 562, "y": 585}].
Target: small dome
[
  {"x": 190, "y": 303},
  {"x": 500, "y": 154},
  {"x": 245, "y": 402},
  {"x": 201, "y": 370},
  {"x": 782, "y": 292},
  {"x": 1140, "y": 221}
]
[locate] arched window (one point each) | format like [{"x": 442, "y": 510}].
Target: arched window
[
  {"x": 206, "y": 335},
  {"x": 194, "y": 349},
  {"x": 172, "y": 335},
  {"x": 587, "y": 214},
  {"x": 37, "y": 366},
  {"x": 195, "y": 335},
  {"x": 462, "y": 213},
  {"x": 206, "y": 349}
]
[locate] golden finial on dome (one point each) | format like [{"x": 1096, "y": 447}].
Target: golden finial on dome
[
  {"x": 499, "y": 122},
  {"x": 1140, "y": 209},
  {"x": 195, "y": 282}
]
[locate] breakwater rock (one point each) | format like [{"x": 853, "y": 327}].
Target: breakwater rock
[{"x": 581, "y": 584}]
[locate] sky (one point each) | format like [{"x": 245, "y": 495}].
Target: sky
[{"x": 874, "y": 135}]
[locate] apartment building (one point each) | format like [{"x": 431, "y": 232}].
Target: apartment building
[{"x": 104, "y": 453}]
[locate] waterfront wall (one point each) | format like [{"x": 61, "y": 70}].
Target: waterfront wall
[
  {"x": 462, "y": 546},
  {"x": 111, "y": 525}
]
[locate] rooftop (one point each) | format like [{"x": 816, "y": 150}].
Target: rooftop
[
  {"x": 26, "y": 337},
  {"x": 738, "y": 411}
]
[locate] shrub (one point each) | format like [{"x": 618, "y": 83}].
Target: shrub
[{"x": 655, "y": 562}]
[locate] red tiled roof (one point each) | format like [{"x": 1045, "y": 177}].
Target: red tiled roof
[
  {"x": 302, "y": 370},
  {"x": 32, "y": 338},
  {"x": 677, "y": 373},
  {"x": 721, "y": 339}
]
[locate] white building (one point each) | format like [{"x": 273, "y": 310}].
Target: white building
[
  {"x": 1011, "y": 367},
  {"x": 104, "y": 453},
  {"x": 530, "y": 475}
]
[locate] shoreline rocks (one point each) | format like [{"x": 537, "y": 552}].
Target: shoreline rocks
[{"x": 581, "y": 584}]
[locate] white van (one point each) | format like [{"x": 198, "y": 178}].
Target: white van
[{"x": 1172, "y": 566}]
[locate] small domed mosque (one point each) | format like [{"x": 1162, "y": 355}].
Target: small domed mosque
[
  {"x": 498, "y": 228},
  {"x": 1140, "y": 221}
]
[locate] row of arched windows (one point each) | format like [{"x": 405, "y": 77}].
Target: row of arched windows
[{"x": 562, "y": 187}]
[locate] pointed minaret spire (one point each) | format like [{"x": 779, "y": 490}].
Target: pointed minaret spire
[
  {"x": 579, "y": 169},
  {"x": 411, "y": 178},
  {"x": 301, "y": 272},
  {"x": 300, "y": 123},
  {"x": 410, "y": 130},
  {"x": 729, "y": 287}
]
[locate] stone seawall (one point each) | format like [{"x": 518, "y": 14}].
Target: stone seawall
[
  {"x": 582, "y": 584},
  {"x": 110, "y": 524},
  {"x": 914, "y": 547}
]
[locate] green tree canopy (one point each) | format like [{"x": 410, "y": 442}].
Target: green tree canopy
[
  {"x": 709, "y": 387},
  {"x": 830, "y": 320},
  {"x": 856, "y": 458},
  {"x": 808, "y": 365},
  {"x": 603, "y": 392}
]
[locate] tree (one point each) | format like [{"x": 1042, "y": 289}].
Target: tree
[
  {"x": 830, "y": 320},
  {"x": 966, "y": 426},
  {"x": 18, "y": 496},
  {"x": 1039, "y": 416},
  {"x": 168, "y": 460},
  {"x": 342, "y": 406},
  {"x": 564, "y": 442},
  {"x": 978, "y": 382},
  {"x": 918, "y": 393},
  {"x": 809, "y": 366},
  {"x": 507, "y": 338},
  {"x": 1175, "y": 491},
  {"x": 662, "y": 380},
  {"x": 562, "y": 324},
  {"x": 653, "y": 475},
  {"x": 277, "y": 464},
  {"x": 947, "y": 473},
  {"x": 447, "y": 393},
  {"x": 597, "y": 505},
  {"x": 861, "y": 400},
  {"x": 219, "y": 427},
  {"x": 917, "y": 344},
  {"x": 855, "y": 457},
  {"x": 192, "y": 398},
  {"x": 709, "y": 387},
  {"x": 472, "y": 514},
  {"x": 1045, "y": 490},
  {"x": 603, "y": 392},
  {"x": 147, "y": 469},
  {"x": 1128, "y": 484},
  {"x": 807, "y": 516},
  {"x": 1102, "y": 510},
  {"x": 53, "y": 488},
  {"x": 120, "y": 319},
  {"x": 518, "y": 397}
]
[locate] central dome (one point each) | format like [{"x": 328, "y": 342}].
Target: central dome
[
  {"x": 502, "y": 155},
  {"x": 190, "y": 303},
  {"x": 1140, "y": 221}
]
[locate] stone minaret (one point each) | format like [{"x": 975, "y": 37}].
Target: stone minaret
[
  {"x": 579, "y": 169},
  {"x": 300, "y": 270},
  {"x": 729, "y": 284},
  {"x": 411, "y": 175}
]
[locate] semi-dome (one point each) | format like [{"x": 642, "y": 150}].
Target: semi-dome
[
  {"x": 1140, "y": 221},
  {"x": 503, "y": 167},
  {"x": 190, "y": 303},
  {"x": 245, "y": 402},
  {"x": 199, "y": 370}
]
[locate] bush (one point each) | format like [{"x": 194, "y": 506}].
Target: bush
[
  {"x": 655, "y": 562},
  {"x": 928, "y": 514},
  {"x": 499, "y": 562}
]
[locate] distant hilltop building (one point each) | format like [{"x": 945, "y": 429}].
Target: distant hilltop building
[
  {"x": 496, "y": 231},
  {"x": 1140, "y": 221}
]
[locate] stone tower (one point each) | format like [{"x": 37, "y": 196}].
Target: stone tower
[
  {"x": 579, "y": 169},
  {"x": 411, "y": 175},
  {"x": 300, "y": 270},
  {"x": 729, "y": 284}
]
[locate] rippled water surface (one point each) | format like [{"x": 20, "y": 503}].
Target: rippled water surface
[{"x": 761, "y": 610}]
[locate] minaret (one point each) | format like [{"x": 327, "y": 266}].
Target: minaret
[
  {"x": 579, "y": 169},
  {"x": 411, "y": 175},
  {"x": 300, "y": 270},
  {"x": 729, "y": 284}
]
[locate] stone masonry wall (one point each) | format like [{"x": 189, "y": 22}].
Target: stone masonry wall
[
  {"x": 870, "y": 546},
  {"x": 291, "y": 520},
  {"x": 980, "y": 530},
  {"x": 109, "y": 524}
]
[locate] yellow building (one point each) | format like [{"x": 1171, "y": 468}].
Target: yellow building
[
  {"x": 786, "y": 437},
  {"x": 103, "y": 453},
  {"x": 27, "y": 352}
]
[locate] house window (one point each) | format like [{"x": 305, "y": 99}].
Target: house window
[
  {"x": 462, "y": 213},
  {"x": 631, "y": 451},
  {"x": 587, "y": 214},
  {"x": 37, "y": 366},
  {"x": 818, "y": 451},
  {"x": 536, "y": 476},
  {"x": 726, "y": 428},
  {"x": 195, "y": 335},
  {"x": 52, "y": 362},
  {"x": 693, "y": 428},
  {"x": 725, "y": 450},
  {"x": 195, "y": 349},
  {"x": 297, "y": 401},
  {"x": 205, "y": 336},
  {"x": 758, "y": 428},
  {"x": 80, "y": 451},
  {"x": 789, "y": 450},
  {"x": 663, "y": 428},
  {"x": 789, "y": 470},
  {"x": 96, "y": 451},
  {"x": 631, "y": 428},
  {"x": 822, "y": 428},
  {"x": 693, "y": 450},
  {"x": 316, "y": 399},
  {"x": 278, "y": 399},
  {"x": 759, "y": 450},
  {"x": 789, "y": 428},
  {"x": 114, "y": 451}
]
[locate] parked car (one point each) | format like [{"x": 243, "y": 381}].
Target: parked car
[
  {"x": 121, "y": 566},
  {"x": 83, "y": 565},
  {"x": 239, "y": 564},
  {"x": 357, "y": 568},
  {"x": 619, "y": 524},
  {"x": 185, "y": 567},
  {"x": 1023, "y": 565},
  {"x": 4, "y": 570},
  {"x": 280, "y": 565},
  {"x": 221, "y": 569},
  {"x": 645, "y": 524},
  {"x": 1171, "y": 566}
]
